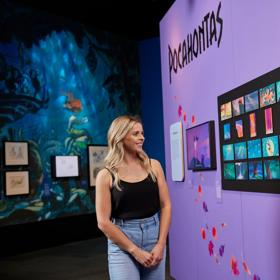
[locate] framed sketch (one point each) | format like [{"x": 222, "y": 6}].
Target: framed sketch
[
  {"x": 16, "y": 183},
  {"x": 15, "y": 153},
  {"x": 96, "y": 156},
  {"x": 65, "y": 166}
]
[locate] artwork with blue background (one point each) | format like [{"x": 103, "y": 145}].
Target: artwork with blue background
[
  {"x": 270, "y": 146},
  {"x": 228, "y": 153},
  {"x": 255, "y": 170},
  {"x": 271, "y": 169},
  {"x": 278, "y": 90},
  {"x": 240, "y": 150},
  {"x": 61, "y": 85},
  {"x": 227, "y": 131},
  {"x": 252, "y": 101},
  {"x": 241, "y": 169},
  {"x": 229, "y": 171},
  {"x": 254, "y": 148}
]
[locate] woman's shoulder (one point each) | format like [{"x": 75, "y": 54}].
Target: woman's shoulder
[
  {"x": 154, "y": 162},
  {"x": 156, "y": 166},
  {"x": 105, "y": 176}
]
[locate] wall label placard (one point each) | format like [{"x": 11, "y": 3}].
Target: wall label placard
[{"x": 177, "y": 151}]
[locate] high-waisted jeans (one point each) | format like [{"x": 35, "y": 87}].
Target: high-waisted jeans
[{"x": 143, "y": 233}]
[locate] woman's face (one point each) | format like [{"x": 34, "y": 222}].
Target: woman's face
[{"x": 134, "y": 139}]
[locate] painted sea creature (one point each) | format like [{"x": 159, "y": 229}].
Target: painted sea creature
[{"x": 73, "y": 104}]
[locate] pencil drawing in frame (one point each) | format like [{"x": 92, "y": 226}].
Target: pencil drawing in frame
[
  {"x": 16, "y": 182},
  {"x": 96, "y": 156},
  {"x": 65, "y": 166},
  {"x": 15, "y": 153}
]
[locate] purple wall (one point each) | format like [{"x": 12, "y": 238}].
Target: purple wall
[{"x": 249, "y": 48}]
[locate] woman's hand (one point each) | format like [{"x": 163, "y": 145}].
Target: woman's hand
[
  {"x": 141, "y": 256},
  {"x": 157, "y": 253}
]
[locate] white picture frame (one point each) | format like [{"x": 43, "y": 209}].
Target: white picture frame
[{"x": 66, "y": 166}]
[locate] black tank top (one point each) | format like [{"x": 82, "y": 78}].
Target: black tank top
[{"x": 135, "y": 200}]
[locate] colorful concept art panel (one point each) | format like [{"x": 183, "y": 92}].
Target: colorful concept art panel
[
  {"x": 229, "y": 171},
  {"x": 255, "y": 170},
  {"x": 253, "y": 125},
  {"x": 271, "y": 169},
  {"x": 270, "y": 146},
  {"x": 238, "y": 106},
  {"x": 228, "y": 153},
  {"x": 241, "y": 170},
  {"x": 267, "y": 95},
  {"x": 226, "y": 111},
  {"x": 268, "y": 121},
  {"x": 278, "y": 90},
  {"x": 254, "y": 148},
  {"x": 252, "y": 101},
  {"x": 226, "y": 131},
  {"x": 240, "y": 150},
  {"x": 239, "y": 128},
  {"x": 249, "y": 135}
]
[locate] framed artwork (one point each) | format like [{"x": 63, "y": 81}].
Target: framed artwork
[
  {"x": 16, "y": 183},
  {"x": 201, "y": 148},
  {"x": 268, "y": 120},
  {"x": 65, "y": 166},
  {"x": 177, "y": 152},
  {"x": 250, "y": 138},
  {"x": 253, "y": 125},
  {"x": 238, "y": 106},
  {"x": 15, "y": 153},
  {"x": 96, "y": 156}
]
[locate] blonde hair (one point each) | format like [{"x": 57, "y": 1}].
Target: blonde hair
[{"x": 116, "y": 133}]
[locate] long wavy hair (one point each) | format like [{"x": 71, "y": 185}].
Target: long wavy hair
[{"x": 118, "y": 130}]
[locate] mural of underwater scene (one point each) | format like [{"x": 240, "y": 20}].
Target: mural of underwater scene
[{"x": 61, "y": 85}]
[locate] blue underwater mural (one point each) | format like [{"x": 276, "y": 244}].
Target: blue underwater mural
[{"x": 61, "y": 85}]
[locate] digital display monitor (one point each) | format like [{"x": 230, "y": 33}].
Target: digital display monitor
[{"x": 201, "y": 151}]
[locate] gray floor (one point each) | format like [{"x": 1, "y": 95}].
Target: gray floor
[{"x": 82, "y": 260}]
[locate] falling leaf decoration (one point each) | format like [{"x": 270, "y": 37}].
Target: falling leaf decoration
[
  {"x": 234, "y": 266},
  {"x": 223, "y": 225},
  {"x": 221, "y": 250},
  {"x": 204, "y": 205},
  {"x": 180, "y": 109},
  {"x": 214, "y": 233},
  {"x": 211, "y": 248},
  {"x": 203, "y": 233},
  {"x": 246, "y": 268},
  {"x": 193, "y": 119},
  {"x": 199, "y": 190}
]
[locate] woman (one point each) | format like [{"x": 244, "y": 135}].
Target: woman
[{"x": 132, "y": 205}]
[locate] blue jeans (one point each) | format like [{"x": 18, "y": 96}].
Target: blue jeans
[{"x": 144, "y": 234}]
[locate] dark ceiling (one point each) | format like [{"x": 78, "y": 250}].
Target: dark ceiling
[{"x": 135, "y": 19}]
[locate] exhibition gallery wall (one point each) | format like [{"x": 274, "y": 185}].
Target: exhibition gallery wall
[
  {"x": 61, "y": 85},
  {"x": 220, "y": 74}
]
